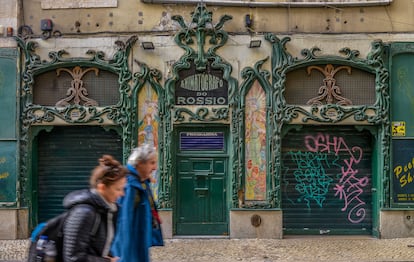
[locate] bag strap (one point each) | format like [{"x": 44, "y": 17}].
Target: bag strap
[
  {"x": 148, "y": 191},
  {"x": 153, "y": 204},
  {"x": 97, "y": 219},
  {"x": 97, "y": 223}
]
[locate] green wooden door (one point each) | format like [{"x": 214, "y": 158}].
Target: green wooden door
[
  {"x": 201, "y": 180},
  {"x": 201, "y": 196}
]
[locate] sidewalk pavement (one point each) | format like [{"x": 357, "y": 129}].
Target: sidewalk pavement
[{"x": 298, "y": 249}]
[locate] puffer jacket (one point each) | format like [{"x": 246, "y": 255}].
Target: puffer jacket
[{"x": 78, "y": 244}]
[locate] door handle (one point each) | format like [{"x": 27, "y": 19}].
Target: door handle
[
  {"x": 201, "y": 189},
  {"x": 204, "y": 174}
]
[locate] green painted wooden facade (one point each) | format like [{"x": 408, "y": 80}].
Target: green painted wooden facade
[
  {"x": 281, "y": 117},
  {"x": 8, "y": 135}
]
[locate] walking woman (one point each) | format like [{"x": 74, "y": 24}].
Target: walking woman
[
  {"x": 138, "y": 215},
  {"x": 88, "y": 206}
]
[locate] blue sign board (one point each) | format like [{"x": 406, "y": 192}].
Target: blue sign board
[{"x": 198, "y": 141}]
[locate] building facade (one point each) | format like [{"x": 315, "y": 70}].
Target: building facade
[{"x": 271, "y": 118}]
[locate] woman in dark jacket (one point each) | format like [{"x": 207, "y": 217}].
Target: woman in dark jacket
[{"x": 94, "y": 210}]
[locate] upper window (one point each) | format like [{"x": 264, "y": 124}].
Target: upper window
[
  {"x": 330, "y": 84},
  {"x": 76, "y": 86}
]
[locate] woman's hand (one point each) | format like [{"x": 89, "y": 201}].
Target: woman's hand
[{"x": 113, "y": 259}]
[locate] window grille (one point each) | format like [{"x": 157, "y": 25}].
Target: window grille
[
  {"x": 356, "y": 86},
  {"x": 51, "y": 88}
]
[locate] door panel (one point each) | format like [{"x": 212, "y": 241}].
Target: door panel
[{"x": 201, "y": 208}]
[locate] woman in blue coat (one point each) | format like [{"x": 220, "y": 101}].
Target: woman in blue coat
[{"x": 133, "y": 237}]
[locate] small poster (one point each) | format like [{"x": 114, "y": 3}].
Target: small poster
[
  {"x": 403, "y": 170},
  {"x": 8, "y": 172},
  {"x": 398, "y": 128}
]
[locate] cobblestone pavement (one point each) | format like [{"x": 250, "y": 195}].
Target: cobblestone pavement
[{"x": 299, "y": 249}]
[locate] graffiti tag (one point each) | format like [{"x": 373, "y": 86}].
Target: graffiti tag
[
  {"x": 349, "y": 187},
  {"x": 312, "y": 181}
]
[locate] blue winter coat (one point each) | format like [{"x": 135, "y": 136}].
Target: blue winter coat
[{"x": 133, "y": 237}]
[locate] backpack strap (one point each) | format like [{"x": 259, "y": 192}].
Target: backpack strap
[
  {"x": 97, "y": 219},
  {"x": 96, "y": 224}
]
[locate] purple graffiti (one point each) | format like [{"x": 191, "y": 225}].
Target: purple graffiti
[{"x": 349, "y": 188}]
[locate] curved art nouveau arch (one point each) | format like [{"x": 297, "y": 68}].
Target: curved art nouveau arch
[
  {"x": 376, "y": 115},
  {"x": 148, "y": 80},
  {"x": 42, "y": 117},
  {"x": 192, "y": 39},
  {"x": 251, "y": 76}
]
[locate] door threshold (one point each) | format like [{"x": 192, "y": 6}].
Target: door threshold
[
  {"x": 200, "y": 237},
  {"x": 355, "y": 237}
]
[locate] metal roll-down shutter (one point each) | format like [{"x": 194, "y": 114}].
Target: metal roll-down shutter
[
  {"x": 65, "y": 159},
  {"x": 327, "y": 181}
]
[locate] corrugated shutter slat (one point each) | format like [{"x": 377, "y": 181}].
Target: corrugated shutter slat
[
  {"x": 314, "y": 199},
  {"x": 66, "y": 157}
]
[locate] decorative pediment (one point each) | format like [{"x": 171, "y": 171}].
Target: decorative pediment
[
  {"x": 329, "y": 105},
  {"x": 75, "y": 106},
  {"x": 77, "y": 93},
  {"x": 201, "y": 88}
]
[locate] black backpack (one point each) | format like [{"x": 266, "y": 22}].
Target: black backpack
[{"x": 53, "y": 229}]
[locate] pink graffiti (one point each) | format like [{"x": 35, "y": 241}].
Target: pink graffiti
[
  {"x": 323, "y": 143},
  {"x": 350, "y": 187}
]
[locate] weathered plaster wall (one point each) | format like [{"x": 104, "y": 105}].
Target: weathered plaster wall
[
  {"x": 136, "y": 16},
  {"x": 8, "y": 224},
  {"x": 235, "y": 52},
  {"x": 397, "y": 223},
  {"x": 9, "y": 15},
  {"x": 270, "y": 225},
  {"x": 167, "y": 223}
]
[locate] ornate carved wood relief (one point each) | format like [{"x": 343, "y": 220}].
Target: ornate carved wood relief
[
  {"x": 329, "y": 92},
  {"x": 77, "y": 92}
]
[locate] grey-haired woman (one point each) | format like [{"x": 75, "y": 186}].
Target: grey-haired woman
[{"x": 138, "y": 213}]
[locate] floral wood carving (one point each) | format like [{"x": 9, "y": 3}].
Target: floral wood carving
[
  {"x": 77, "y": 92},
  {"x": 329, "y": 92}
]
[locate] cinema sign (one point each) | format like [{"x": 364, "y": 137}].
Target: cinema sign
[{"x": 201, "y": 88}]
